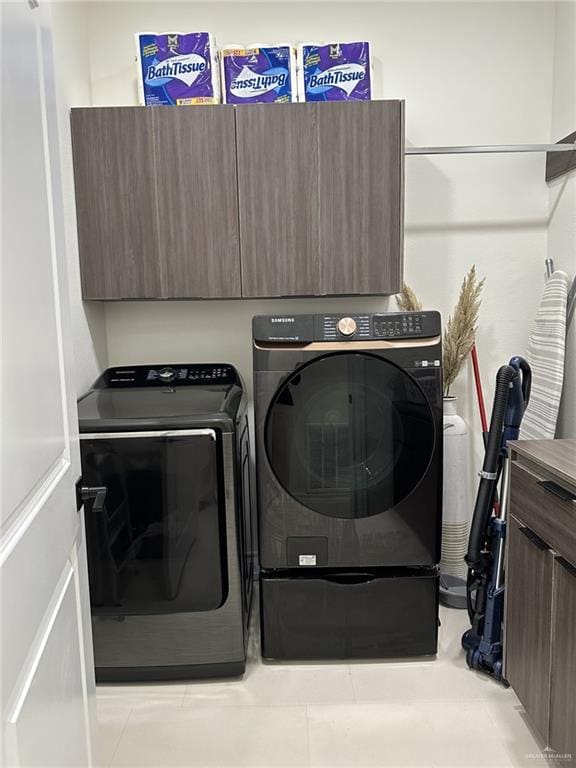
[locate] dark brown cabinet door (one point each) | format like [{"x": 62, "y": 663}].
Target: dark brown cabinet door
[
  {"x": 529, "y": 621},
  {"x": 116, "y": 203},
  {"x": 277, "y": 148},
  {"x": 563, "y": 699},
  {"x": 195, "y": 173},
  {"x": 261, "y": 200},
  {"x": 321, "y": 198},
  {"x": 361, "y": 191}
]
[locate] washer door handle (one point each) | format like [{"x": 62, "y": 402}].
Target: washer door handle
[{"x": 86, "y": 492}]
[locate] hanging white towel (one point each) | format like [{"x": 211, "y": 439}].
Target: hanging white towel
[{"x": 546, "y": 350}]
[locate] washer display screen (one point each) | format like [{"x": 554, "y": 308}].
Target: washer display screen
[{"x": 349, "y": 435}]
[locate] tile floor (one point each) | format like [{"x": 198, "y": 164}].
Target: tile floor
[{"x": 403, "y": 713}]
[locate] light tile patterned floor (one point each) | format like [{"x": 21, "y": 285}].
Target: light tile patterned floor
[{"x": 404, "y": 713}]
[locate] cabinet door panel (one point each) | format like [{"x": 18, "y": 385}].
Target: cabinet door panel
[
  {"x": 278, "y": 199},
  {"x": 115, "y": 203},
  {"x": 195, "y": 171},
  {"x": 528, "y": 622},
  {"x": 563, "y": 699},
  {"x": 361, "y": 162}
]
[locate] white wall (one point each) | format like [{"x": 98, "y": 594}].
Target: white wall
[
  {"x": 562, "y": 232},
  {"x": 471, "y": 73},
  {"x": 72, "y": 64}
]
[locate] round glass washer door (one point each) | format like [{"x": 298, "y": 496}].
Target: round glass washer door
[{"x": 349, "y": 435}]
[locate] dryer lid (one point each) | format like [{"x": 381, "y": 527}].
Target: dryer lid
[{"x": 137, "y": 398}]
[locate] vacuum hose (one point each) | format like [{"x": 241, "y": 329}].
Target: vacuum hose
[{"x": 489, "y": 474}]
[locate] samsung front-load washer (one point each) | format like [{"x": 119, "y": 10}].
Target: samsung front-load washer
[
  {"x": 169, "y": 550},
  {"x": 349, "y": 464}
]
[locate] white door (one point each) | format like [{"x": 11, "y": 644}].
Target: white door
[{"x": 46, "y": 647}]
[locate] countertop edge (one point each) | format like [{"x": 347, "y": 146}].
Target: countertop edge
[{"x": 558, "y": 457}]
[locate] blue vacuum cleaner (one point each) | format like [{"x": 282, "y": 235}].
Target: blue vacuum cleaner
[{"x": 485, "y": 557}]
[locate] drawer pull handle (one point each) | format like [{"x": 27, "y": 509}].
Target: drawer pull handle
[
  {"x": 566, "y": 565},
  {"x": 534, "y": 538},
  {"x": 557, "y": 490},
  {"x": 350, "y": 579}
]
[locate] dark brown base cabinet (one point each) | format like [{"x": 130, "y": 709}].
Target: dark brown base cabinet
[
  {"x": 251, "y": 201},
  {"x": 529, "y": 622},
  {"x": 563, "y": 698},
  {"x": 540, "y": 624}
]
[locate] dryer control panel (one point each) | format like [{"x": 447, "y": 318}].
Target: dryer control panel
[
  {"x": 172, "y": 374},
  {"x": 305, "y": 329}
]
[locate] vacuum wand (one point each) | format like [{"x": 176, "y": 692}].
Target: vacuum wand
[
  {"x": 490, "y": 469},
  {"x": 485, "y": 556}
]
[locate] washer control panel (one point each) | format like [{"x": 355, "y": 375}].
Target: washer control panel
[
  {"x": 173, "y": 375},
  {"x": 305, "y": 329},
  {"x": 397, "y": 326},
  {"x": 393, "y": 325}
]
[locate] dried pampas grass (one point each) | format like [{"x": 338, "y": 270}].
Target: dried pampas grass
[
  {"x": 460, "y": 331},
  {"x": 407, "y": 300}
]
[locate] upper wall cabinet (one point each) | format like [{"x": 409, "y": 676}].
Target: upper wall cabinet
[
  {"x": 361, "y": 197},
  {"x": 278, "y": 198},
  {"x": 116, "y": 203},
  {"x": 321, "y": 192},
  {"x": 255, "y": 201},
  {"x": 197, "y": 200},
  {"x": 156, "y": 201}
]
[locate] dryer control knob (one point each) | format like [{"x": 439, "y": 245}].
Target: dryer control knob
[
  {"x": 167, "y": 374},
  {"x": 347, "y": 326}
]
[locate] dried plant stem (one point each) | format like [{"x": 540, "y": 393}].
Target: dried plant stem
[
  {"x": 460, "y": 331},
  {"x": 407, "y": 300}
]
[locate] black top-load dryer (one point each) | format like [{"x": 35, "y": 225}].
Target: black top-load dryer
[
  {"x": 169, "y": 550},
  {"x": 349, "y": 463}
]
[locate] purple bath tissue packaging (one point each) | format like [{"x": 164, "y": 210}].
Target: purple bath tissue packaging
[
  {"x": 177, "y": 69},
  {"x": 334, "y": 71},
  {"x": 258, "y": 74}
]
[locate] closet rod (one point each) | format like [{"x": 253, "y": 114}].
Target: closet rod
[{"x": 490, "y": 149}]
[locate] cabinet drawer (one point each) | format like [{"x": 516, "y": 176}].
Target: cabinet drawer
[
  {"x": 551, "y": 517},
  {"x": 348, "y": 615}
]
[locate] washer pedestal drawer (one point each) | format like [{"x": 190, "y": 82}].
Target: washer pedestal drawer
[{"x": 349, "y": 614}]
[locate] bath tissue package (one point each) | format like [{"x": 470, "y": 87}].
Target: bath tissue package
[
  {"x": 258, "y": 74},
  {"x": 177, "y": 69},
  {"x": 334, "y": 71}
]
